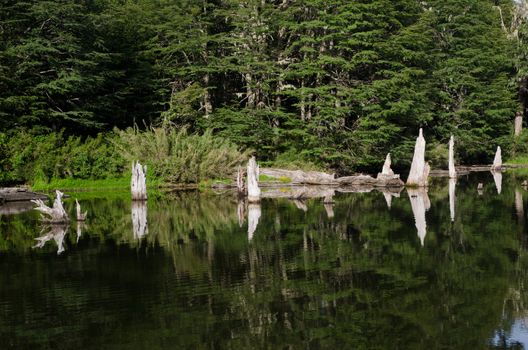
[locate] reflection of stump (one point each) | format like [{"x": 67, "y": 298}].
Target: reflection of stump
[
  {"x": 241, "y": 212},
  {"x": 80, "y": 215},
  {"x": 139, "y": 219},
  {"x": 419, "y": 204},
  {"x": 452, "y": 186},
  {"x": 55, "y": 232},
  {"x": 329, "y": 207},
  {"x": 497, "y": 178},
  {"x": 519, "y": 205},
  {"x": 253, "y": 218},
  {"x": 138, "y": 182},
  {"x": 80, "y": 227}
]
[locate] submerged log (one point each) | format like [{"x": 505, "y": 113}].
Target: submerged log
[
  {"x": 252, "y": 181},
  {"x": 419, "y": 169},
  {"x": 55, "y": 214},
  {"x": 497, "y": 161},
  {"x": 80, "y": 215},
  {"x": 452, "y": 170},
  {"x": 138, "y": 183}
]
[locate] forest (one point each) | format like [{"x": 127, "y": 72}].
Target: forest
[{"x": 193, "y": 87}]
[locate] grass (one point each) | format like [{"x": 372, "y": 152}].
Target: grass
[
  {"x": 518, "y": 160},
  {"x": 122, "y": 183},
  {"x": 283, "y": 179}
]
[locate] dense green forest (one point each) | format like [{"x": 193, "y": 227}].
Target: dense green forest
[{"x": 332, "y": 84}]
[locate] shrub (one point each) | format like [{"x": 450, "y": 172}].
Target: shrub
[{"x": 175, "y": 156}]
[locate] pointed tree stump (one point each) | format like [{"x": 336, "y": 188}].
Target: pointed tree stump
[
  {"x": 138, "y": 183},
  {"x": 419, "y": 169},
  {"x": 252, "y": 181}
]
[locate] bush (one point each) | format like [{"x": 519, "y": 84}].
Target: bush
[
  {"x": 27, "y": 158},
  {"x": 177, "y": 157}
]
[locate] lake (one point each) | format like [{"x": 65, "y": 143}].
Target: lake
[{"x": 188, "y": 271}]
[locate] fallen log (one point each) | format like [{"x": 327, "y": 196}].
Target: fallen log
[{"x": 17, "y": 194}]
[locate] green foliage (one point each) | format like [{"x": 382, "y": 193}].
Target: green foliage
[
  {"x": 29, "y": 158},
  {"x": 175, "y": 156}
]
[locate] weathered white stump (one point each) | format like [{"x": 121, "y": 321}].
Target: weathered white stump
[
  {"x": 419, "y": 169},
  {"x": 452, "y": 170},
  {"x": 518, "y": 123},
  {"x": 419, "y": 204},
  {"x": 252, "y": 181},
  {"x": 497, "y": 178},
  {"x": 497, "y": 161},
  {"x": 253, "y": 218},
  {"x": 80, "y": 215},
  {"x": 138, "y": 183},
  {"x": 139, "y": 219},
  {"x": 452, "y": 187},
  {"x": 386, "y": 170},
  {"x": 55, "y": 214}
]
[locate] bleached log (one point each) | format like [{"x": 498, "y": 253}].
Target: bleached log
[
  {"x": 139, "y": 219},
  {"x": 419, "y": 171},
  {"x": 419, "y": 204},
  {"x": 452, "y": 187},
  {"x": 518, "y": 124},
  {"x": 138, "y": 183},
  {"x": 55, "y": 214},
  {"x": 80, "y": 215},
  {"x": 254, "y": 213},
  {"x": 252, "y": 181},
  {"x": 497, "y": 178},
  {"x": 497, "y": 161},
  {"x": 452, "y": 170},
  {"x": 301, "y": 177},
  {"x": 57, "y": 233}
]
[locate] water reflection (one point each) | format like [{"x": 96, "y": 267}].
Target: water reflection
[
  {"x": 497, "y": 178},
  {"x": 254, "y": 213},
  {"x": 420, "y": 204},
  {"x": 139, "y": 219},
  {"x": 53, "y": 232},
  {"x": 452, "y": 187},
  {"x": 302, "y": 280}
]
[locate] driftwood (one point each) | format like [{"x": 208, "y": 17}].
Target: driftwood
[
  {"x": 497, "y": 161},
  {"x": 16, "y": 194},
  {"x": 419, "y": 169},
  {"x": 301, "y": 177},
  {"x": 55, "y": 214},
  {"x": 80, "y": 215},
  {"x": 452, "y": 170},
  {"x": 138, "y": 182},
  {"x": 367, "y": 180},
  {"x": 253, "y": 173}
]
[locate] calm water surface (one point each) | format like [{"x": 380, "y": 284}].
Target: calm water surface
[{"x": 188, "y": 271}]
